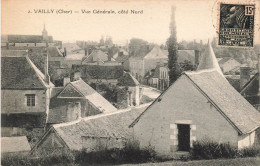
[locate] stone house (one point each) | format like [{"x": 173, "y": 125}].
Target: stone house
[
  {"x": 140, "y": 65},
  {"x": 95, "y": 56},
  {"x": 159, "y": 77},
  {"x": 25, "y": 96},
  {"x": 133, "y": 91},
  {"x": 76, "y": 100},
  {"x": 92, "y": 133},
  {"x": 227, "y": 64},
  {"x": 122, "y": 57},
  {"x": 102, "y": 73},
  {"x": 198, "y": 105},
  {"x": 15, "y": 146}
]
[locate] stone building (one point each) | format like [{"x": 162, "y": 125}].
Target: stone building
[
  {"x": 76, "y": 100},
  {"x": 109, "y": 130},
  {"x": 199, "y": 105},
  {"x": 133, "y": 92},
  {"x": 25, "y": 96}
]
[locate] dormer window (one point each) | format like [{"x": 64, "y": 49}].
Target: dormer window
[{"x": 30, "y": 100}]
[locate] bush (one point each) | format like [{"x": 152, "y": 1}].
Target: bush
[
  {"x": 207, "y": 149},
  {"x": 249, "y": 152}
]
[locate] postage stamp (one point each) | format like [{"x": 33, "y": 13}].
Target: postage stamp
[{"x": 236, "y": 25}]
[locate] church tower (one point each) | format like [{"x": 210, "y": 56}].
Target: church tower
[{"x": 44, "y": 34}]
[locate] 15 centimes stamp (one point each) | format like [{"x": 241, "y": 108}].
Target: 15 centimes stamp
[{"x": 236, "y": 25}]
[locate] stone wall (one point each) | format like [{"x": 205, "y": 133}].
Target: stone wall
[{"x": 182, "y": 104}]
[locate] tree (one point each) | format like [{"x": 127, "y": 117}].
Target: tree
[
  {"x": 136, "y": 45},
  {"x": 174, "y": 68},
  {"x": 187, "y": 66},
  {"x": 102, "y": 42}
]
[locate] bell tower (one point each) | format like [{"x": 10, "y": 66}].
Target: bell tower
[{"x": 44, "y": 34}]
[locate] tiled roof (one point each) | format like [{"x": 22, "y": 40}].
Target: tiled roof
[
  {"x": 70, "y": 47},
  {"x": 21, "y": 73},
  {"x": 252, "y": 86},
  {"x": 127, "y": 80},
  {"x": 113, "y": 125},
  {"x": 14, "y": 144},
  {"x": 234, "y": 107}
]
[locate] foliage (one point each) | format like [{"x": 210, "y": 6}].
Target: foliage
[
  {"x": 173, "y": 65},
  {"x": 207, "y": 149},
  {"x": 136, "y": 46},
  {"x": 249, "y": 152},
  {"x": 187, "y": 66}
]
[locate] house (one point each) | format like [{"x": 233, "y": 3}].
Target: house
[
  {"x": 16, "y": 41},
  {"x": 200, "y": 104},
  {"x": 133, "y": 91},
  {"x": 159, "y": 77},
  {"x": 15, "y": 146},
  {"x": 90, "y": 133},
  {"x": 95, "y": 56},
  {"x": 122, "y": 57},
  {"x": 140, "y": 65},
  {"x": 251, "y": 91},
  {"x": 76, "y": 100},
  {"x": 227, "y": 64},
  {"x": 102, "y": 73},
  {"x": 25, "y": 96},
  {"x": 188, "y": 55}
]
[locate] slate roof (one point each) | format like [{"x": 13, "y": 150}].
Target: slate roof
[
  {"x": 85, "y": 91},
  {"x": 99, "y": 72},
  {"x": 13, "y": 52},
  {"x": 188, "y": 55},
  {"x": 96, "y": 55},
  {"x": 235, "y": 109},
  {"x": 113, "y": 125},
  {"x": 252, "y": 86},
  {"x": 15, "y": 144},
  {"x": 21, "y": 73},
  {"x": 26, "y": 38},
  {"x": 54, "y": 52},
  {"x": 127, "y": 80},
  {"x": 208, "y": 60},
  {"x": 156, "y": 53}
]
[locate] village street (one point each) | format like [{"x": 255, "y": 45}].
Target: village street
[{"x": 150, "y": 92}]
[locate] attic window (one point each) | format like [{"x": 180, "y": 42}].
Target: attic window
[{"x": 30, "y": 100}]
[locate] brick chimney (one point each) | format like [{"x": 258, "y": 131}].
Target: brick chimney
[
  {"x": 244, "y": 75},
  {"x": 46, "y": 70}
]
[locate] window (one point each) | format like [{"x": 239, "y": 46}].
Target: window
[{"x": 30, "y": 100}]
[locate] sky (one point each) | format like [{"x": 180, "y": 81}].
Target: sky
[{"x": 195, "y": 19}]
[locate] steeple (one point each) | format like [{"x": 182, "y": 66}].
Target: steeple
[
  {"x": 208, "y": 60},
  {"x": 44, "y": 34}
]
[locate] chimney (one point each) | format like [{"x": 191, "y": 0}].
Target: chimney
[
  {"x": 65, "y": 52},
  {"x": 46, "y": 72},
  {"x": 66, "y": 80},
  {"x": 197, "y": 57},
  {"x": 244, "y": 75}
]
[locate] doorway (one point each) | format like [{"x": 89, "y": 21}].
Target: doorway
[{"x": 183, "y": 137}]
